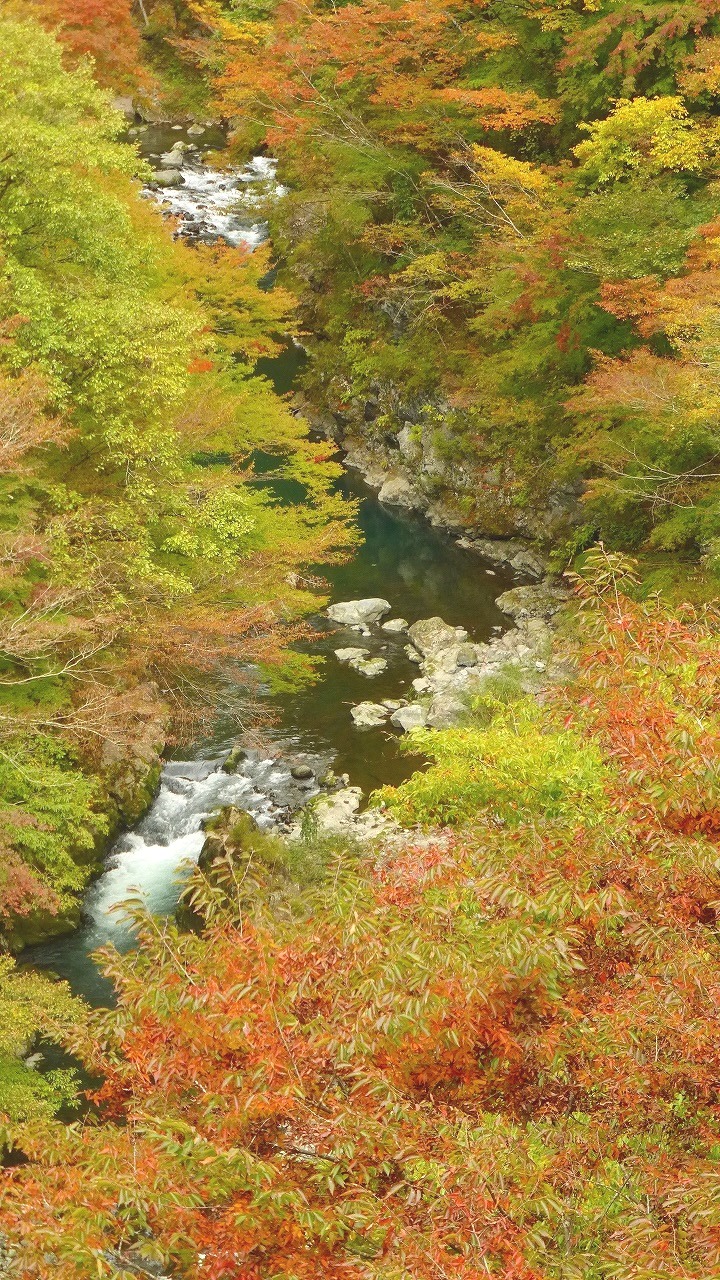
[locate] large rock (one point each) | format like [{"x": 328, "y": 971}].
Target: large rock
[
  {"x": 338, "y": 815},
  {"x": 172, "y": 159},
  {"x": 430, "y": 635},
  {"x": 126, "y": 106},
  {"x": 397, "y": 491},
  {"x": 351, "y": 654},
  {"x": 368, "y": 715},
  {"x": 540, "y": 601},
  {"x": 369, "y": 666},
  {"x": 170, "y": 179},
  {"x": 409, "y": 443},
  {"x": 445, "y": 711},
  {"x": 413, "y": 717},
  {"x": 456, "y": 655},
  {"x": 508, "y": 551},
  {"x": 356, "y": 613}
]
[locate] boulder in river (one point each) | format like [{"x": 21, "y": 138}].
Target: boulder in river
[
  {"x": 172, "y": 160},
  {"x": 302, "y": 772},
  {"x": 358, "y": 613},
  {"x": 395, "y": 625},
  {"x": 369, "y": 666},
  {"x": 170, "y": 179},
  {"x": 236, "y": 757},
  {"x": 368, "y": 715},
  {"x": 430, "y": 635},
  {"x": 351, "y": 654}
]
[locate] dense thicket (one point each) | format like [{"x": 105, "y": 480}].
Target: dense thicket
[{"x": 494, "y": 1053}]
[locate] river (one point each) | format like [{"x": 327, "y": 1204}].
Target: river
[{"x": 420, "y": 570}]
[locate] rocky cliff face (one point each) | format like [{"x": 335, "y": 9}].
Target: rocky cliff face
[{"x": 412, "y": 455}]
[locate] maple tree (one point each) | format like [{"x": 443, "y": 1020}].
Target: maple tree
[{"x": 103, "y": 30}]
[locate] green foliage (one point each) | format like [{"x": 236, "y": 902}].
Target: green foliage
[
  {"x": 30, "y": 1006},
  {"x": 516, "y": 770},
  {"x": 51, "y": 812}
]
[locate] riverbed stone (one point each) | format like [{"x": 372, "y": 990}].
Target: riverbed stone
[
  {"x": 356, "y": 613},
  {"x": 351, "y": 654},
  {"x": 302, "y": 772},
  {"x": 541, "y": 600},
  {"x": 413, "y": 654},
  {"x": 368, "y": 715},
  {"x": 413, "y": 717},
  {"x": 369, "y": 667},
  {"x": 172, "y": 160},
  {"x": 169, "y": 179},
  {"x": 430, "y": 635},
  {"x": 395, "y": 625}
]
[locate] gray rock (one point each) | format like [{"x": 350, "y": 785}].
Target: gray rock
[
  {"x": 369, "y": 666},
  {"x": 508, "y": 551},
  {"x": 395, "y": 624},
  {"x": 443, "y": 660},
  {"x": 430, "y": 635},
  {"x": 445, "y": 711},
  {"x": 468, "y": 655},
  {"x": 412, "y": 717},
  {"x": 422, "y": 685},
  {"x": 196, "y": 130},
  {"x": 540, "y": 601},
  {"x": 355, "y": 613},
  {"x": 368, "y": 715},
  {"x": 172, "y": 160},
  {"x": 413, "y": 654},
  {"x": 397, "y": 491},
  {"x": 126, "y": 106},
  {"x": 393, "y": 704},
  {"x": 171, "y": 179},
  {"x": 409, "y": 443},
  {"x": 350, "y": 654},
  {"x": 302, "y": 772}
]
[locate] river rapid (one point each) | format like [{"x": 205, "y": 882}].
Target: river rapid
[{"x": 420, "y": 570}]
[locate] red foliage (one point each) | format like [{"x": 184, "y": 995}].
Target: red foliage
[{"x": 101, "y": 29}]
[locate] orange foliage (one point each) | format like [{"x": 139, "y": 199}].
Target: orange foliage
[
  {"x": 453, "y": 1056},
  {"x": 103, "y": 30}
]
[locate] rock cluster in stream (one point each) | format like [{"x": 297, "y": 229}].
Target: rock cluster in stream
[{"x": 452, "y": 668}]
